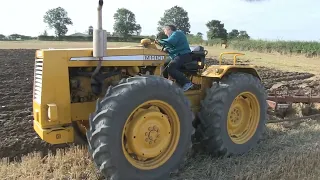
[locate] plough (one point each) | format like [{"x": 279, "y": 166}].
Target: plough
[{"x": 281, "y": 104}]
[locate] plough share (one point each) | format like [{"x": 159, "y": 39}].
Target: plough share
[{"x": 280, "y": 104}]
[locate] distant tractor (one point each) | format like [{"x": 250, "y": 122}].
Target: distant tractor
[{"x": 138, "y": 124}]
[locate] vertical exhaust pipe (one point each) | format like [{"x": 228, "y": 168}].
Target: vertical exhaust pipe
[
  {"x": 99, "y": 36},
  {"x": 99, "y": 51}
]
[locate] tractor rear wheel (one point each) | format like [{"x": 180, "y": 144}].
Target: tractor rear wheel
[
  {"x": 141, "y": 129},
  {"x": 233, "y": 114}
]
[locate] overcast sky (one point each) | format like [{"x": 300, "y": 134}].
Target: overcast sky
[{"x": 272, "y": 19}]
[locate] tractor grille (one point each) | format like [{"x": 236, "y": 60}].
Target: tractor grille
[{"x": 38, "y": 80}]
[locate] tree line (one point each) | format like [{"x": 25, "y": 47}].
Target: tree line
[{"x": 125, "y": 24}]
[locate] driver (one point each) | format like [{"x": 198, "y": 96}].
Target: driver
[{"x": 179, "y": 51}]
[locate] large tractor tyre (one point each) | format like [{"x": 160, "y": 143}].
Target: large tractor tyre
[
  {"x": 141, "y": 129},
  {"x": 233, "y": 115}
]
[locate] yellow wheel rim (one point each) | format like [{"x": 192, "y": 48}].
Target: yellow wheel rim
[
  {"x": 243, "y": 117},
  {"x": 151, "y": 134}
]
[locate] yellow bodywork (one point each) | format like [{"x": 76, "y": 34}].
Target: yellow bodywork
[
  {"x": 218, "y": 71},
  {"x": 52, "y": 108}
]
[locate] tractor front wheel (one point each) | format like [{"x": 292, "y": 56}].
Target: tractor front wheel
[
  {"x": 141, "y": 129},
  {"x": 233, "y": 114}
]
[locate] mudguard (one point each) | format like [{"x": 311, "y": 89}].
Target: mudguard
[{"x": 218, "y": 71}]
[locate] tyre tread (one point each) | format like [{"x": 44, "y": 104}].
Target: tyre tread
[
  {"x": 101, "y": 120},
  {"x": 212, "y": 108}
]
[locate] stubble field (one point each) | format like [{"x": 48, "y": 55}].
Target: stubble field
[{"x": 287, "y": 151}]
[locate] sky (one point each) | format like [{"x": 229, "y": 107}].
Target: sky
[{"x": 268, "y": 20}]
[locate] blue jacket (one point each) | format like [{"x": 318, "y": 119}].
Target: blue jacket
[{"x": 176, "y": 44}]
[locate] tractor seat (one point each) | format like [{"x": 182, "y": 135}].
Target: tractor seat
[{"x": 198, "y": 54}]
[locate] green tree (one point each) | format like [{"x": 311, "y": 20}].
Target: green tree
[
  {"x": 15, "y": 36},
  {"x": 58, "y": 19},
  {"x": 195, "y": 39},
  {"x": 45, "y": 33},
  {"x": 243, "y": 35},
  {"x": 125, "y": 23},
  {"x": 216, "y": 30},
  {"x": 233, "y": 34},
  {"x": 176, "y": 16},
  {"x": 199, "y": 34},
  {"x": 2, "y": 36},
  {"x": 138, "y": 31},
  {"x": 161, "y": 35},
  {"x": 90, "y": 30}
]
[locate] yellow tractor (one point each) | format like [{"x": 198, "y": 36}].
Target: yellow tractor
[{"x": 138, "y": 124}]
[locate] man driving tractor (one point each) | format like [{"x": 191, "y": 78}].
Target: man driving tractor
[{"x": 179, "y": 52}]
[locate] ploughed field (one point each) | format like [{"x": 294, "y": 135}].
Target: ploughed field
[
  {"x": 281, "y": 82},
  {"x": 18, "y": 137}
]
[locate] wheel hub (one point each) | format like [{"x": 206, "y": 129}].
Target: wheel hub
[
  {"x": 149, "y": 133},
  {"x": 153, "y": 134},
  {"x": 235, "y": 116}
]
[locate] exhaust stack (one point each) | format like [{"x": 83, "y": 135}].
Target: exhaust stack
[{"x": 99, "y": 36}]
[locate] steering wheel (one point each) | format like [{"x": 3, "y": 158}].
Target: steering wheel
[{"x": 161, "y": 45}]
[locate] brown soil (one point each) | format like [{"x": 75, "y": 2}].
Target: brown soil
[
  {"x": 17, "y": 134},
  {"x": 16, "y": 73},
  {"x": 288, "y": 82},
  {"x": 282, "y": 82}
]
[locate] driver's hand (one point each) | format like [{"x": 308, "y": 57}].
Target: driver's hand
[{"x": 165, "y": 50}]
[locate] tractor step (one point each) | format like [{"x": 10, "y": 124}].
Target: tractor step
[{"x": 57, "y": 135}]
